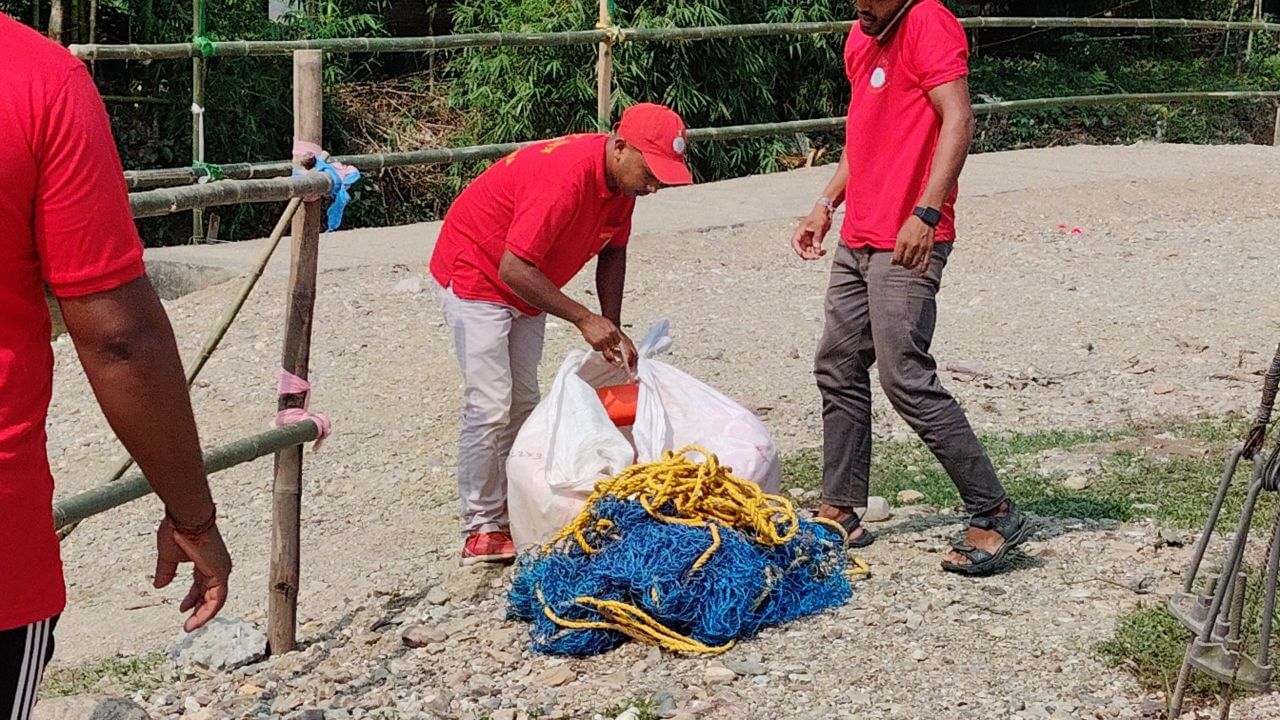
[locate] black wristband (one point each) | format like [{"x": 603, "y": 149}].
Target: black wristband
[{"x": 192, "y": 530}]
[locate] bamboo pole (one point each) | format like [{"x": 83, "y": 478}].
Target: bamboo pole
[
  {"x": 1226, "y": 37},
  {"x": 1061, "y": 23},
  {"x": 102, "y": 498},
  {"x": 996, "y": 108},
  {"x": 132, "y": 100},
  {"x": 137, "y": 179},
  {"x": 308, "y": 126},
  {"x": 93, "y": 31},
  {"x": 211, "y": 343},
  {"x": 245, "y": 48},
  {"x": 255, "y": 48},
  {"x": 604, "y": 73},
  {"x": 215, "y": 338},
  {"x": 1256, "y": 17},
  {"x": 55, "y": 20},
  {"x": 999, "y": 108},
  {"x": 229, "y": 192},
  {"x": 197, "y": 111}
]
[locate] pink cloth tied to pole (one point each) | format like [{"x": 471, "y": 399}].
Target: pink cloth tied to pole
[
  {"x": 302, "y": 148},
  {"x": 291, "y": 384}
]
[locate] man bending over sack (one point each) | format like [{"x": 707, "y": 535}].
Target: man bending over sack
[
  {"x": 511, "y": 240},
  {"x": 909, "y": 129}
]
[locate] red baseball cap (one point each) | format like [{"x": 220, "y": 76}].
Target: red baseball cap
[{"x": 659, "y": 134}]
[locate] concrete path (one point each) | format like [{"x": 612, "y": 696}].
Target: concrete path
[{"x": 747, "y": 200}]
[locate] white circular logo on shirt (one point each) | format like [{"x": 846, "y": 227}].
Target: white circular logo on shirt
[
  {"x": 678, "y": 145},
  {"x": 878, "y": 77}
]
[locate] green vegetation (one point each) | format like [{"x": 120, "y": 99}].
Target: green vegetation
[
  {"x": 1125, "y": 480},
  {"x": 123, "y": 675}
]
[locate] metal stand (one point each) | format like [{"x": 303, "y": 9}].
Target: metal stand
[{"x": 1216, "y": 615}]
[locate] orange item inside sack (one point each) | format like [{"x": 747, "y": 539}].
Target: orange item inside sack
[{"x": 620, "y": 402}]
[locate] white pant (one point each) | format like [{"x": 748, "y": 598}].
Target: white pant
[{"x": 498, "y": 349}]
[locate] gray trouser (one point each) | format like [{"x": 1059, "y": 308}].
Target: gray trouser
[
  {"x": 878, "y": 311},
  {"x": 498, "y": 349}
]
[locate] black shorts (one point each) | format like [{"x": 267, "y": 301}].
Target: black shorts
[{"x": 24, "y": 652}]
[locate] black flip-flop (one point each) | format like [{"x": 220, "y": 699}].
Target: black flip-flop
[
  {"x": 850, "y": 525},
  {"x": 1014, "y": 527}
]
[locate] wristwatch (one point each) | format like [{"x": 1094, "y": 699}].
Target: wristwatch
[
  {"x": 827, "y": 203},
  {"x": 930, "y": 216}
]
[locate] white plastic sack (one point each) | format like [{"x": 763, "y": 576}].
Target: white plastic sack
[{"x": 569, "y": 443}]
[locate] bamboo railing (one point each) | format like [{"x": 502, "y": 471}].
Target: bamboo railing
[
  {"x": 153, "y": 203},
  {"x": 241, "y": 185},
  {"x": 606, "y": 36},
  {"x": 609, "y": 35},
  {"x": 102, "y": 498}
]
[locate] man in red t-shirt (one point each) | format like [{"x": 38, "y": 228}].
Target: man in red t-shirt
[
  {"x": 908, "y": 132},
  {"x": 66, "y": 220},
  {"x": 512, "y": 239}
]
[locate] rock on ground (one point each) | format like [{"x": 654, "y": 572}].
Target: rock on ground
[
  {"x": 89, "y": 707},
  {"x": 225, "y": 643}
]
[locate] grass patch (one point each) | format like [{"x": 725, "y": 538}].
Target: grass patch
[
  {"x": 124, "y": 675},
  {"x": 897, "y": 466},
  {"x": 646, "y": 708},
  {"x": 1149, "y": 643},
  {"x": 1181, "y": 489}
]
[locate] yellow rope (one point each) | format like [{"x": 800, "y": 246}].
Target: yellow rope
[
  {"x": 715, "y": 545},
  {"x": 632, "y": 622},
  {"x": 698, "y": 495},
  {"x": 701, "y": 494},
  {"x": 844, "y": 534},
  {"x": 860, "y": 567}
]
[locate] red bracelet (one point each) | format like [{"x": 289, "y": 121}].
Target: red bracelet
[{"x": 192, "y": 530}]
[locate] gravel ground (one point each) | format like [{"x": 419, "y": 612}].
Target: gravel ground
[{"x": 1162, "y": 306}]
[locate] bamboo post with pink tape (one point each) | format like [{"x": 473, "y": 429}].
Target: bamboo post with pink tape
[{"x": 308, "y": 126}]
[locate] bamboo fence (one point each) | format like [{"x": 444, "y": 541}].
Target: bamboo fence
[
  {"x": 240, "y": 187},
  {"x": 102, "y": 498},
  {"x": 605, "y": 36},
  {"x": 608, "y": 35}
]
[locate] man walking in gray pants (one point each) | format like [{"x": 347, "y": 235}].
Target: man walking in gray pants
[{"x": 908, "y": 132}]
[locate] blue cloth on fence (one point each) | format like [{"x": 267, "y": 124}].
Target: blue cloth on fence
[{"x": 343, "y": 177}]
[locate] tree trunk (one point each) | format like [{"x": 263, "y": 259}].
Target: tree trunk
[{"x": 55, "y": 21}]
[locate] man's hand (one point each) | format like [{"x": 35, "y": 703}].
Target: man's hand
[
  {"x": 629, "y": 354},
  {"x": 807, "y": 240},
  {"x": 209, "y": 577},
  {"x": 604, "y": 337},
  {"x": 914, "y": 247}
]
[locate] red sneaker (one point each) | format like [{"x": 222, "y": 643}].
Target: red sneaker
[{"x": 490, "y": 547}]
